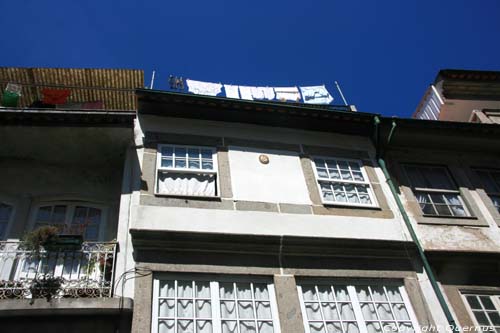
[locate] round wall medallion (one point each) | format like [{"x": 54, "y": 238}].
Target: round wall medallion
[{"x": 264, "y": 159}]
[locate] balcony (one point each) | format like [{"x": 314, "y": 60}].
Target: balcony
[{"x": 85, "y": 272}]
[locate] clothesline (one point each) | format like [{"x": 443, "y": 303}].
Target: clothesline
[{"x": 308, "y": 95}]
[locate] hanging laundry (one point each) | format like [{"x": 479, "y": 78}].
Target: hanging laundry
[
  {"x": 246, "y": 93},
  {"x": 11, "y": 94},
  {"x": 231, "y": 91},
  {"x": 204, "y": 88},
  {"x": 257, "y": 93},
  {"x": 287, "y": 94},
  {"x": 263, "y": 93},
  {"x": 55, "y": 96},
  {"x": 316, "y": 95}
]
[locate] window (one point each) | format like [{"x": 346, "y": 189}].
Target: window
[
  {"x": 491, "y": 183},
  {"x": 221, "y": 305},
  {"x": 71, "y": 219},
  {"x": 186, "y": 171},
  {"x": 5, "y": 215},
  {"x": 485, "y": 310},
  {"x": 435, "y": 190},
  {"x": 347, "y": 308},
  {"x": 343, "y": 182}
]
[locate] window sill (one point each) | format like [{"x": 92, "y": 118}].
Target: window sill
[
  {"x": 189, "y": 197},
  {"x": 471, "y": 221},
  {"x": 332, "y": 205},
  {"x": 450, "y": 217}
]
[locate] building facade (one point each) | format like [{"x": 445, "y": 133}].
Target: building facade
[
  {"x": 61, "y": 165},
  {"x": 229, "y": 215}
]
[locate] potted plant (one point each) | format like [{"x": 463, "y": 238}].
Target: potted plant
[
  {"x": 45, "y": 286},
  {"x": 41, "y": 238}
]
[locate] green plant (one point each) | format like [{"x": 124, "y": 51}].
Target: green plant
[
  {"x": 46, "y": 286},
  {"x": 43, "y": 237}
]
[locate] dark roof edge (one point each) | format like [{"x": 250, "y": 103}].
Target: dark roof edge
[
  {"x": 330, "y": 108},
  {"x": 54, "y": 117}
]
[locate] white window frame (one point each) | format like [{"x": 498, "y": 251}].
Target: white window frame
[
  {"x": 214, "y": 296},
  {"x": 429, "y": 190},
  {"x": 70, "y": 210},
  {"x": 186, "y": 170},
  {"x": 366, "y": 183},
  {"x": 351, "y": 289},
  {"x": 494, "y": 297},
  {"x": 489, "y": 194}
]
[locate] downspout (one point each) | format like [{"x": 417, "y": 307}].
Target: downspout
[{"x": 380, "y": 158}]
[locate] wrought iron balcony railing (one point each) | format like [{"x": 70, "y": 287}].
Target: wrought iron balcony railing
[{"x": 83, "y": 272}]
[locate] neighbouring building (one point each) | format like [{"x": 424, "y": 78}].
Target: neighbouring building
[
  {"x": 228, "y": 215},
  {"x": 63, "y": 142},
  {"x": 462, "y": 95}
]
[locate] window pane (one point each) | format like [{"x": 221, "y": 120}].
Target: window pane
[
  {"x": 313, "y": 311},
  {"x": 415, "y": 177},
  {"x": 473, "y": 302},
  {"x": 260, "y": 291},
  {"x": 226, "y": 290},
  {"x": 203, "y": 309},
  {"x": 495, "y": 318},
  {"x": 194, "y": 164},
  {"x": 5, "y": 211},
  {"x": 167, "y": 289},
  {"x": 354, "y": 166},
  {"x": 438, "y": 178},
  {"x": 488, "y": 181},
  {"x": 207, "y": 165},
  {"x": 166, "y": 163},
  {"x": 59, "y": 214},
  {"x": 443, "y": 210},
  {"x": 184, "y": 289},
  {"x": 185, "y": 309},
  {"x": 203, "y": 326},
  {"x": 263, "y": 310},
  {"x": 487, "y": 303},
  {"x": 167, "y": 308},
  {"x": 167, "y": 151},
  {"x": 44, "y": 214},
  {"x": 229, "y": 327},
  {"x": 245, "y": 310},
  {"x": 166, "y": 326},
  {"x": 322, "y": 172},
  {"x": 203, "y": 289},
  {"x": 334, "y": 174},
  {"x": 228, "y": 309},
  {"x": 193, "y": 153},
  {"x": 180, "y": 163},
  {"x": 481, "y": 318},
  {"x": 206, "y": 154},
  {"x": 180, "y": 152},
  {"x": 247, "y": 327}
]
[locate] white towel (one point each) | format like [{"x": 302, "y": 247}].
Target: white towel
[
  {"x": 262, "y": 93},
  {"x": 287, "y": 93},
  {"x": 246, "y": 92},
  {"x": 316, "y": 95},
  {"x": 204, "y": 88},
  {"x": 231, "y": 91},
  {"x": 257, "y": 93}
]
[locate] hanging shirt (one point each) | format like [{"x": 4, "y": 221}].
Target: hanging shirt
[
  {"x": 246, "y": 93},
  {"x": 262, "y": 93},
  {"x": 316, "y": 95},
  {"x": 231, "y": 91},
  {"x": 55, "y": 96},
  {"x": 204, "y": 88},
  {"x": 287, "y": 94}
]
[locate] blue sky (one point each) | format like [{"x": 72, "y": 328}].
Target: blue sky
[{"x": 383, "y": 53}]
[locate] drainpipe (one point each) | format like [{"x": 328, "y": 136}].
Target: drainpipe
[{"x": 451, "y": 321}]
